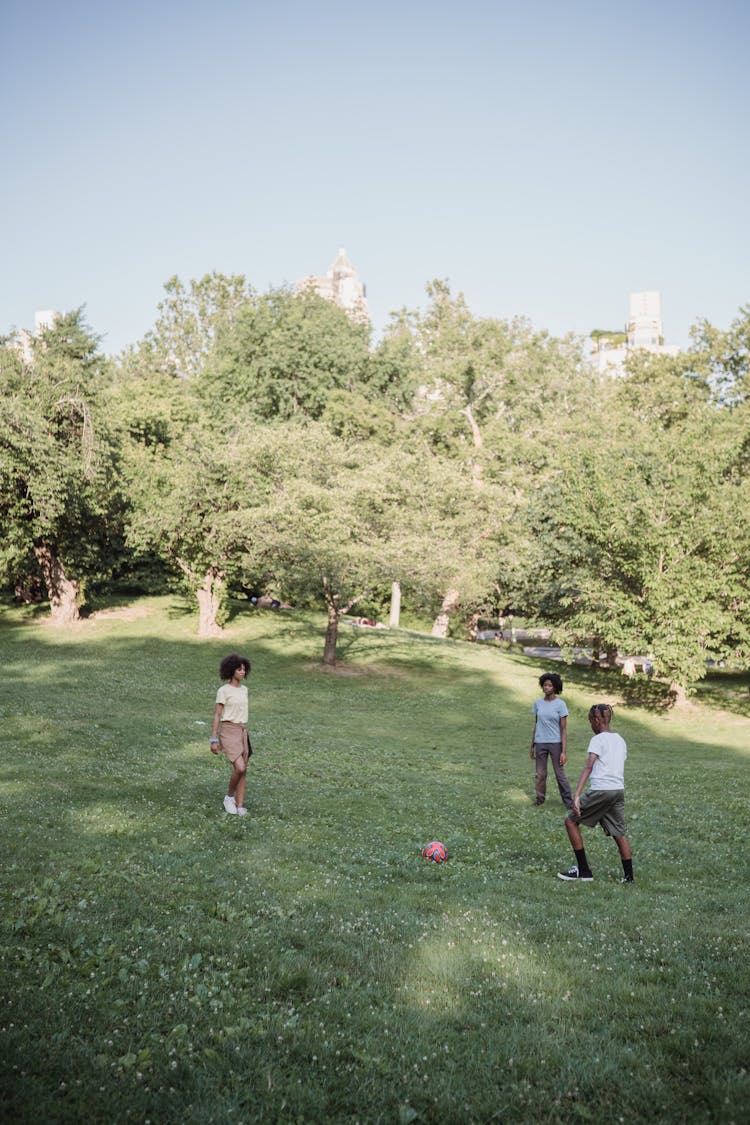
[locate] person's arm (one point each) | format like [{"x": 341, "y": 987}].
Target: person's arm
[
  {"x": 564, "y": 739},
  {"x": 218, "y": 709},
  {"x": 585, "y": 774},
  {"x": 533, "y": 736}
]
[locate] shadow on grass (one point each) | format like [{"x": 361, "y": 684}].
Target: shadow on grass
[
  {"x": 609, "y": 684},
  {"x": 649, "y": 695},
  {"x": 728, "y": 691}
]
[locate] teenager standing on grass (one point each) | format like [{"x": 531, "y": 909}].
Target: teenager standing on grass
[
  {"x": 604, "y": 802},
  {"x": 549, "y": 738},
  {"x": 229, "y": 731}
]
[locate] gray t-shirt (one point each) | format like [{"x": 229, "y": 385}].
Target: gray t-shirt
[{"x": 548, "y": 714}]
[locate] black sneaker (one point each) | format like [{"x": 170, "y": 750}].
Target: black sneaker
[{"x": 573, "y": 874}]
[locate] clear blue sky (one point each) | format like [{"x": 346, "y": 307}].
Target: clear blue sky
[{"x": 546, "y": 158}]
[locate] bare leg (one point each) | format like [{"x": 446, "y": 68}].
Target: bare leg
[
  {"x": 576, "y": 841},
  {"x": 624, "y": 847},
  {"x": 574, "y": 834},
  {"x": 238, "y": 776},
  {"x": 238, "y": 781}
]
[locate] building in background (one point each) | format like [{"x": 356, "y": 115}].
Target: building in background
[
  {"x": 342, "y": 286},
  {"x": 644, "y": 331},
  {"x": 43, "y": 321}
]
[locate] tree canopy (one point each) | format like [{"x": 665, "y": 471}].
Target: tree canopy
[
  {"x": 59, "y": 485},
  {"x": 263, "y": 441}
]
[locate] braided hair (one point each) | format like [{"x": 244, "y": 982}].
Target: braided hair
[{"x": 603, "y": 710}]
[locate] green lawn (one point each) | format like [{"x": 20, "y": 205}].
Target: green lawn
[{"x": 164, "y": 962}]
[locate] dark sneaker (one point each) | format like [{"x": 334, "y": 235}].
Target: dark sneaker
[
  {"x": 627, "y": 879},
  {"x": 573, "y": 874}
]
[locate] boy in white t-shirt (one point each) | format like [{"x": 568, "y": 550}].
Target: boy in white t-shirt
[{"x": 604, "y": 802}]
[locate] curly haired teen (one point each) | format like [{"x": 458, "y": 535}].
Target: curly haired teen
[
  {"x": 229, "y": 731},
  {"x": 549, "y": 738}
]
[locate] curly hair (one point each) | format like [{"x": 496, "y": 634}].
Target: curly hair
[
  {"x": 554, "y": 679},
  {"x": 602, "y": 709},
  {"x": 231, "y": 663}
]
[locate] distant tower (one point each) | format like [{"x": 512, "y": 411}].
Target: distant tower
[
  {"x": 43, "y": 321},
  {"x": 645, "y": 327},
  {"x": 644, "y": 332},
  {"x": 342, "y": 286}
]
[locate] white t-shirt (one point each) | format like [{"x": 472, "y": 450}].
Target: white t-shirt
[
  {"x": 609, "y": 767},
  {"x": 235, "y": 703}
]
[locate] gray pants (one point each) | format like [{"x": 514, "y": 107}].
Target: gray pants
[{"x": 543, "y": 751}]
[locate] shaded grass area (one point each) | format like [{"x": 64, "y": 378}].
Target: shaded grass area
[{"x": 162, "y": 961}]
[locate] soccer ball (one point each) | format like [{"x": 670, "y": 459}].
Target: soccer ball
[{"x": 435, "y": 851}]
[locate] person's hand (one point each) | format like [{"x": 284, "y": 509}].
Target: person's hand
[
  {"x": 214, "y": 746},
  {"x": 577, "y": 806},
  {"x": 531, "y": 752},
  {"x": 563, "y": 758}
]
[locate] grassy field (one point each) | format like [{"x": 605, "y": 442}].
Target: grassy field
[{"x": 163, "y": 962}]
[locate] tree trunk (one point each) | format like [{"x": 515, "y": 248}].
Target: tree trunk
[
  {"x": 332, "y": 631},
  {"x": 678, "y": 693},
  {"x": 63, "y": 592},
  {"x": 476, "y": 466},
  {"x": 209, "y": 597},
  {"x": 395, "y": 614},
  {"x": 450, "y": 603}
]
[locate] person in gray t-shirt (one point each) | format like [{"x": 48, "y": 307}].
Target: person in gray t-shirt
[{"x": 549, "y": 738}]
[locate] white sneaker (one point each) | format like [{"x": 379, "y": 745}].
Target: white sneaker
[
  {"x": 230, "y": 805},
  {"x": 241, "y": 811}
]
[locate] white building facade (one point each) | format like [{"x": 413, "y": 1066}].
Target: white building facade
[
  {"x": 341, "y": 285},
  {"x": 644, "y": 331}
]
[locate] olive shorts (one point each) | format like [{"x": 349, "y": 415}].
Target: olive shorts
[{"x": 605, "y": 807}]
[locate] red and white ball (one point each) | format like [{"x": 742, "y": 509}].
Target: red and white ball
[{"x": 435, "y": 852}]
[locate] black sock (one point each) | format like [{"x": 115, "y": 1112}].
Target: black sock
[
  {"x": 583, "y": 863},
  {"x": 627, "y": 866}
]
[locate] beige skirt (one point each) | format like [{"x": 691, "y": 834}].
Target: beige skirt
[{"x": 233, "y": 741}]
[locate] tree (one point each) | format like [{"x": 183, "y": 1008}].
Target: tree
[
  {"x": 283, "y": 356},
  {"x": 501, "y": 399},
  {"x": 489, "y": 386},
  {"x": 395, "y": 367},
  {"x": 642, "y": 536},
  {"x": 191, "y": 503},
  {"x": 60, "y": 499},
  {"x": 190, "y": 317},
  {"x": 450, "y": 538},
  {"x": 324, "y": 528},
  {"x": 723, "y": 358},
  {"x": 341, "y": 521}
]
